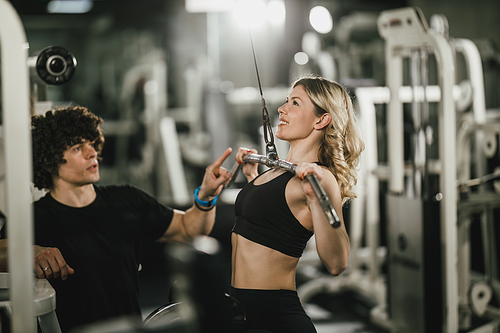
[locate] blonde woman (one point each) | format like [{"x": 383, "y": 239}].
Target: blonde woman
[{"x": 277, "y": 212}]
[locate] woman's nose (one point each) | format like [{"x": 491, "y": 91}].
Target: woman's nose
[{"x": 281, "y": 110}]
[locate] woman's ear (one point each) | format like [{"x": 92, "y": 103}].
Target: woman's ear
[{"x": 323, "y": 121}]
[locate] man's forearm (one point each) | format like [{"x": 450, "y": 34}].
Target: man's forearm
[{"x": 199, "y": 222}]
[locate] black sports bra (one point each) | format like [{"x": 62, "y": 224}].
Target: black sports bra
[{"x": 263, "y": 216}]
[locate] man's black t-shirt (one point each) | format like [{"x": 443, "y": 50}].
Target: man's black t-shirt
[{"x": 101, "y": 243}]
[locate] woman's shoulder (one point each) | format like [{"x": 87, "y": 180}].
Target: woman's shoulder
[
  {"x": 329, "y": 180},
  {"x": 329, "y": 177}
]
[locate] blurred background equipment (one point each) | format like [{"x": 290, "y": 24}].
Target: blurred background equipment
[{"x": 53, "y": 65}]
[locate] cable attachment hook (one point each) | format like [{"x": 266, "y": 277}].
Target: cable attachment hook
[{"x": 271, "y": 151}]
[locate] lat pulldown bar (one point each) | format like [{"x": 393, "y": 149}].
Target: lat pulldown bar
[{"x": 323, "y": 199}]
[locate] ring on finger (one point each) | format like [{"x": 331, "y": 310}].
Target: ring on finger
[{"x": 46, "y": 268}]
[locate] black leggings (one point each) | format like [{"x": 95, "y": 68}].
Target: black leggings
[{"x": 277, "y": 311}]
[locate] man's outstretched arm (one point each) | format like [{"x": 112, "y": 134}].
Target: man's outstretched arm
[{"x": 197, "y": 220}]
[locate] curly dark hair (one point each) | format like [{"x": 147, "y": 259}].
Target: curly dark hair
[{"x": 55, "y": 132}]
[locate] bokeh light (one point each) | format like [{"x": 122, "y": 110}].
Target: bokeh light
[
  {"x": 321, "y": 19},
  {"x": 250, "y": 13},
  {"x": 276, "y": 12},
  {"x": 301, "y": 58}
]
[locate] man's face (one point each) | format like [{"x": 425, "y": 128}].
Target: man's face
[{"x": 81, "y": 167}]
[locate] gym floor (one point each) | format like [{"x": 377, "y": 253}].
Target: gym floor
[
  {"x": 339, "y": 313},
  {"x": 345, "y": 312}
]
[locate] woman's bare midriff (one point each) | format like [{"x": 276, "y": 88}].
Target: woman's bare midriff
[{"x": 255, "y": 266}]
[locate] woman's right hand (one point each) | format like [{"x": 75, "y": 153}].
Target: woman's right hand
[{"x": 250, "y": 170}]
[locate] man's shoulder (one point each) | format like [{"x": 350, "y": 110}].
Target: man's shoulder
[
  {"x": 113, "y": 188},
  {"x": 120, "y": 189},
  {"x": 43, "y": 200},
  {"x": 124, "y": 193},
  {"x": 45, "y": 207}
]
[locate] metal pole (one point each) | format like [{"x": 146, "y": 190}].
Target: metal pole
[{"x": 18, "y": 164}]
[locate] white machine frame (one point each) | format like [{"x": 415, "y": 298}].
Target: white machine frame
[
  {"x": 17, "y": 143},
  {"x": 406, "y": 30},
  {"x": 29, "y": 299}
]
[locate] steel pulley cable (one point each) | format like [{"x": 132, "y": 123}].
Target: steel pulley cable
[{"x": 271, "y": 151}]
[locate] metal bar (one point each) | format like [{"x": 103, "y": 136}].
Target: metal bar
[
  {"x": 173, "y": 160},
  {"x": 234, "y": 173},
  {"x": 395, "y": 132},
  {"x": 320, "y": 193},
  {"x": 368, "y": 183},
  {"x": 447, "y": 180},
  {"x": 416, "y": 113}
]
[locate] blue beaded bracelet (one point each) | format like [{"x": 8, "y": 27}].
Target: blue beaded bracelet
[{"x": 202, "y": 202}]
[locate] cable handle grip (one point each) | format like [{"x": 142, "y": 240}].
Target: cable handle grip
[{"x": 318, "y": 190}]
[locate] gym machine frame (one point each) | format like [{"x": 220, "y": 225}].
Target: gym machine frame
[
  {"x": 17, "y": 145},
  {"x": 399, "y": 45},
  {"x": 405, "y": 30},
  {"x": 25, "y": 297}
]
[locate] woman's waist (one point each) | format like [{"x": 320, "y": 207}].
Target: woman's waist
[
  {"x": 265, "y": 276},
  {"x": 250, "y": 291},
  {"x": 260, "y": 285},
  {"x": 257, "y": 257}
]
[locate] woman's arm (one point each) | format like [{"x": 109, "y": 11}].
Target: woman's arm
[
  {"x": 332, "y": 244},
  {"x": 250, "y": 170}
]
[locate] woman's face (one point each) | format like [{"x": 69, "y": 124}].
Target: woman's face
[{"x": 297, "y": 117}]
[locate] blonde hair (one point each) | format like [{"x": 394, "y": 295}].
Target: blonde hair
[{"x": 341, "y": 145}]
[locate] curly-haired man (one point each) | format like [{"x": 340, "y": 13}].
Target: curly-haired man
[{"x": 87, "y": 236}]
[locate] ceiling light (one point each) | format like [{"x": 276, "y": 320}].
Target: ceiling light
[
  {"x": 69, "y": 6},
  {"x": 321, "y": 20}
]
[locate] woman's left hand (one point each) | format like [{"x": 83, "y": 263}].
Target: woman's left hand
[{"x": 303, "y": 169}]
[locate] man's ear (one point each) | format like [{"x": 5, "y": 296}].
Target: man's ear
[{"x": 323, "y": 121}]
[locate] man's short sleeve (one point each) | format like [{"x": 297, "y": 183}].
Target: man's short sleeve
[{"x": 155, "y": 217}]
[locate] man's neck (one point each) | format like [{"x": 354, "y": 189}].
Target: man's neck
[{"x": 76, "y": 196}]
